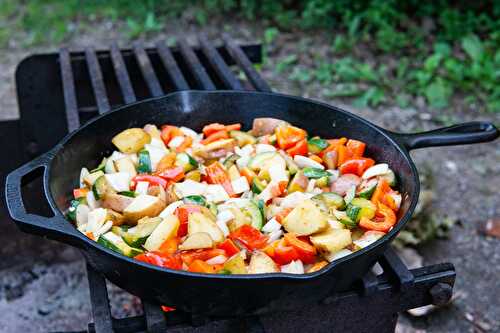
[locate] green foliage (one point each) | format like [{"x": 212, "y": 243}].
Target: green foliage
[{"x": 441, "y": 47}]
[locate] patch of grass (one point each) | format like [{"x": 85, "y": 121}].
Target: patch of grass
[{"x": 442, "y": 48}]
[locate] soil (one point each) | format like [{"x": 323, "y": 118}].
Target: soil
[{"x": 39, "y": 295}]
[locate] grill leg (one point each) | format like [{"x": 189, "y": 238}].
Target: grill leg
[{"x": 100, "y": 302}]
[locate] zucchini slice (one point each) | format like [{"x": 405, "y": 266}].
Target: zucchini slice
[
  {"x": 100, "y": 187},
  {"x": 242, "y": 138},
  {"x": 258, "y": 185},
  {"x": 195, "y": 199},
  {"x": 186, "y": 161},
  {"x": 101, "y": 166},
  {"x": 390, "y": 176},
  {"x": 136, "y": 236},
  {"x": 144, "y": 162},
  {"x": 330, "y": 200},
  {"x": 114, "y": 242}
]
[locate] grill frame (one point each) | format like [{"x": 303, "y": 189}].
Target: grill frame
[{"x": 398, "y": 288}]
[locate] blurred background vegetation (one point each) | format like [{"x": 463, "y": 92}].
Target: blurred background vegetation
[{"x": 380, "y": 51}]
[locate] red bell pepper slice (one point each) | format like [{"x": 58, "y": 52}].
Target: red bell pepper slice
[
  {"x": 285, "y": 254},
  {"x": 159, "y": 259},
  {"x": 216, "y": 174},
  {"x": 300, "y": 148},
  {"x": 189, "y": 257},
  {"x": 182, "y": 213},
  {"x": 169, "y": 246},
  {"x": 306, "y": 251},
  {"x": 172, "y": 174},
  {"x": 356, "y": 166},
  {"x": 380, "y": 191},
  {"x": 154, "y": 180},
  {"x": 249, "y": 237},
  {"x": 229, "y": 246},
  {"x": 288, "y": 136}
]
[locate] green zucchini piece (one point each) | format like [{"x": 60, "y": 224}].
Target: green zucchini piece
[
  {"x": 299, "y": 183},
  {"x": 213, "y": 208},
  {"x": 315, "y": 173},
  {"x": 316, "y": 145},
  {"x": 262, "y": 207},
  {"x": 242, "y": 138},
  {"x": 101, "y": 166},
  {"x": 224, "y": 271},
  {"x": 367, "y": 192},
  {"x": 258, "y": 185},
  {"x": 230, "y": 161},
  {"x": 290, "y": 164},
  {"x": 71, "y": 213},
  {"x": 330, "y": 200},
  {"x": 114, "y": 242},
  {"x": 353, "y": 212},
  {"x": 144, "y": 165},
  {"x": 100, "y": 187},
  {"x": 322, "y": 182},
  {"x": 136, "y": 236},
  {"x": 196, "y": 200},
  {"x": 390, "y": 176},
  {"x": 186, "y": 161},
  {"x": 348, "y": 222},
  {"x": 367, "y": 208},
  {"x": 251, "y": 208},
  {"x": 272, "y": 139},
  {"x": 128, "y": 193}
]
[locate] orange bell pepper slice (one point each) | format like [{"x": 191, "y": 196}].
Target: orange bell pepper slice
[
  {"x": 356, "y": 147},
  {"x": 389, "y": 220},
  {"x": 168, "y": 132},
  {"x": 356, "y": 166},
  {"x": 189, "y": 257},
  {"x": 380, "y": 191},
  {"x": 166, "y": 162},
  {"x": 199, "y": 266},
  {"x": 188, "y": 141},
  {"x": 170, "y": 245},
  {"x": 216, "y": 136},
  {"x": 229, "y": 247},
  {"x": 80, "y": 192},
  {"x": 306, "y": 251},
  {"x": 216, "y": 127},
  {"x": 248, "y": 174}
]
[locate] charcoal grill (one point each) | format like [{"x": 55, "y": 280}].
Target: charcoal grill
[{"x": 60, "y": 91}]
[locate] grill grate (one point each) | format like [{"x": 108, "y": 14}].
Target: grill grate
[{"x": 84, "y": 84}]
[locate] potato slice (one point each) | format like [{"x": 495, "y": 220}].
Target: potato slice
[
  {"x": 165, "y": 230},
  {"x": 198, "y": 240},
  {"x": 305, "y": 219},
  {"x": 131, "y": 140},
  {"x": 116, "y": 202},
  {"x": 215, "y": 149},
  {"x": 141, "y": 206},
  {"x": 198, "y": 222},
  {"x": 236, "y": 264},
  {"x": 261, "y": 263},
  {"x": 115, "y": 217},
  {"x": 125, "y": 164},
  {"x": 331, "y": 240}
]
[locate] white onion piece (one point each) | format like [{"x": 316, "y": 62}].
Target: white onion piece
[
  {"x": 271, "y": 226},
  {"x": 294, "y": 267},
  {"x": 217, "y": 260},
  {"x": 304, "y": 162},
  {"x": 376, "y": 170}
]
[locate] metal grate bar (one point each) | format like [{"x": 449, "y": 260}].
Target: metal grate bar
[
  {"x": 68, "y": 82},
  {"x": 97, "y": 81},
  {"x": 171, "y": 66},
  {"x": 370, "y": 283},
  {"x": 392, "y": 264},
  {"x": 122, "y": 75},
  {"x": 100, "y": 302},
  {"x": 241, "y": 59},
  {"x": 155, "y": 319},
  {"x": 195, "y": 66},
  {"x": 218, "y": 63},
  {"x": 148, "y": 71}
]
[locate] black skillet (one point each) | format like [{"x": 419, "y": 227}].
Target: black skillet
[{"x": 224, "y": 294}]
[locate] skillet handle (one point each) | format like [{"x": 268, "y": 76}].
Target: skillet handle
[
  {"x": 55, "y": 227},
  {"x": 461, "y": 134}
]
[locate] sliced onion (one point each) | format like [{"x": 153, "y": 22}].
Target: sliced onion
[
  {"x": 376, "y": 170},
  {"x": 271, "y": 226},
  {"x": 294, "y": 267},
  {"x": 83, "y": 173},
  {"x": 217, "y": 260},
  {"x": 337, "y": 255}
]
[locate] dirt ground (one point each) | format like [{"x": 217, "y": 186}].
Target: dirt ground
[{"x": 466, "y": 186}]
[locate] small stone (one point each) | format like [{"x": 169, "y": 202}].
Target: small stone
[
  {"x": 452, "y": 166},
  {"x": 422, "y": 311},
  {"x": 425, "y": 116}
]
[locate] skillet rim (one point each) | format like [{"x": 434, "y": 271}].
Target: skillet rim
[{"x": 389, "y": 135}]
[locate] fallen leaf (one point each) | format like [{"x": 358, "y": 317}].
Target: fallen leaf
[{"x": 491, "y": 227}]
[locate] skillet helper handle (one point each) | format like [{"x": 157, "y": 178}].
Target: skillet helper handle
[
  {"x": 461, "y": 134},
  {"x": 55, "y": 227}
]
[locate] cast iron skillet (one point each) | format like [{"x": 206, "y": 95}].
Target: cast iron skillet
[{"x": 224, "y": 294}]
